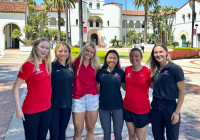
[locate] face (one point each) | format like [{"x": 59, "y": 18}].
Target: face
[
  {"x": 89, "y": 53},
  {"x": 112, "y": 60},
  {"x": 42, "y": 49},
  {"x": 135, "y": 58},
  {"x": 160, "y": 54},
  {"x": 62, "y": 53}
]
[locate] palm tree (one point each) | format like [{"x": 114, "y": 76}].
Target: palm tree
[
  {"x": 68, "y": 4},
  {"x": 146, "y": 4}
]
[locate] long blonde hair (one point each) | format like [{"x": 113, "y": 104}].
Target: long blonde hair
[
  {"x": 69, "y": 59},
  {"x": 94, "y": 60},
  {"x": 33, "y": 57},
  {"x": 152, "y": 62}
]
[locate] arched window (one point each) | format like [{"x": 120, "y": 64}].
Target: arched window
[
  {"x": 91, "y": 23},
  {"x": 108, "y": 23},
  {"x": 98, "y": 6},
  {"x": 52, "y": 21},
  {"x": 97, "y": 23},
  {"x": 137, "y": 24},
  {"x": 62, "y": 22},
  {"x": 183, "y": 16},
  {"x": 143, "y": 24},
  {"x": 90, "y": 5},
  {"x": 131, "y": 24},
  {"x": 76, "y": 21},
  {"x": 123, "y": 24},
  {"x": 189, "y": 16}
]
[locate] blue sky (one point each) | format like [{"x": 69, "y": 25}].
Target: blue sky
[{"x": 130, "y": 6}]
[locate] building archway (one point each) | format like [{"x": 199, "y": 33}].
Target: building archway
[
  {"x": 10, "y": 43},
  {"x": 183, "y": 37},
  {"x": 94, "y": 38}
]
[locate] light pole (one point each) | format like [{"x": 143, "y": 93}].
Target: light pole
[{"x": 196, "y": 25}]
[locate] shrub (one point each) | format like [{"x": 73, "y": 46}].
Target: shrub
[
  {"x": 184, "y": 54},
  {"x": 28, "y": 42},
  {"x": 174, "y": 44}
]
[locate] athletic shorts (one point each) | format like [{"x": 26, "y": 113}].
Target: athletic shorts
[
  {"x": 139, "y": 120},
  {"x": 88, "y": 102}
]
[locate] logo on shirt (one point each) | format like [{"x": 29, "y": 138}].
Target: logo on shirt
[
  {"x": 116, "y": 75},
  {"x": 58, "y": 70},
  {"x": 128, "y": 75},
  {"x": 38, "y": 71},
  {"x": 166, "y": 72}
]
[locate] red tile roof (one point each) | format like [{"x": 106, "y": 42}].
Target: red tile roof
[
  {"x": 13, "y": 6},
  {"x": 133, "y": 12}
]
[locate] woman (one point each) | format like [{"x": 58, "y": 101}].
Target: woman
[
  {"x": 110, "y": 79},
  {"x": 169, "y": 85},
  {"x": 61, "y": 80},
  {"x": 85, "y": 102},
  {"x": 35, "y": 112},
  {"x": 136, "y": 101}
]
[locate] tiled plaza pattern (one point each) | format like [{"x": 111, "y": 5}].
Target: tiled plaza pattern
[{"x": 10, "y": 63}]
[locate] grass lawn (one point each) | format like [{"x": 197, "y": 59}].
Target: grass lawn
[{"x": 125, "y": 55}]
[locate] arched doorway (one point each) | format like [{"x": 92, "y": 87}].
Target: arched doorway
[
  {"x": 94, "y": 39},
  {"x": 183, "y": 37},
  {"x": 9, "y": 41}
]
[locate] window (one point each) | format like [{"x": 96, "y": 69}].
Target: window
[
  {"x": 188, "y": 16},
  {"x": 108, "y": 23},
  {"x": 183, "y": 16},
  {"x": 90, "y": 5},
  {"x": 97, "y": 24},
  {"x": 98, "y": 6},
  {"x": 76, "y": 21},
  {"x": 91, "y": 24}
]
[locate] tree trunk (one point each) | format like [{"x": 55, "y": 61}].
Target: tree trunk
[
  {"x": 70, "y": 29},
  {"x": 59, "y": 17},
  {"x": 145, "y": 23},
  {"x": 66, "y": 12},
  {"x": 165, "y": 37},
  {"x": 80, "y": 24},
  {"x": 193, "y": 15}
]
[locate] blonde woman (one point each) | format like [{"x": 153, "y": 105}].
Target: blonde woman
[
  {"x": 85, "y": 102},
  {"x": 35, "y": 111},
  {"x": 168, "y": 94},
  {"x": 62, "y": 75}
]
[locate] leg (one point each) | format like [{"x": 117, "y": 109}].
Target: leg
[
  {"x": 31, "y": 125},
  {"x": 131, "y": 130},
  {"x": 118, "y": 122},
  {"x": 142, "y": 132},
  {"x": 78, "y": 121},
  {"x": 54, "y": 125},
  {"x": 91, "y": 119},
  {"x": 45, "y": 119},
  {"x": 157, "y": 123},
  {"x": 64, "y": 120},
  {"x": 105, "y": 119},
  {"x": 172, "y": 130}
]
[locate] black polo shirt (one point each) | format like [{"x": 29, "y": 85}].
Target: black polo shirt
[
  {"x": 61, "y": 82},
  {"x": 165, "y": 82},
  {"x": 110, "y": 83}
]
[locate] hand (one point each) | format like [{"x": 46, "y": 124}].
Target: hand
[
  {"x": 20, "y": 115},
  {"x": 175, "y": 118}
]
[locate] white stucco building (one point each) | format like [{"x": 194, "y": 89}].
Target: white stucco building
[{"x": 102, "y": 22}]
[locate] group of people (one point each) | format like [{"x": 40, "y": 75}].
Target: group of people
[{"x": 84, "y": 88}]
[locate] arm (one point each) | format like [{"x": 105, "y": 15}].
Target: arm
[
  {"x": 181, "y": 96},
  {"x": 98, "y": 86},
  {"x": 124, "y": 86},
  {"x": 151, "y": 85},
  {"x": 15, "y": 91}
]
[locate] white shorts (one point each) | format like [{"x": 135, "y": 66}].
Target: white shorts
[{"x": 88, "y": 102}]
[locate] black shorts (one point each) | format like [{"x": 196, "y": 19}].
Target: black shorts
[{"x": 139, "y": 120}]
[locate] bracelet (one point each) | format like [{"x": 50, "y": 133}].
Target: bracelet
[{"x": 176, "y": 112}]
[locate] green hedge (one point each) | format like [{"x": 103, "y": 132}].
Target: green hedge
[{"x": 184, "y": 48}]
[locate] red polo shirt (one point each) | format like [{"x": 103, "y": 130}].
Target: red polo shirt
[
  {"x": 85, "y": 82},
  {"x": 137, "y": 90},
  {"x": 38, "y": 82}
]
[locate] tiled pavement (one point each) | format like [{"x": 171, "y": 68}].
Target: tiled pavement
[{"x": 190, "y": 127}]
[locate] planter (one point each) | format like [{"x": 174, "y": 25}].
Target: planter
[{"x": 25, "y": 48}]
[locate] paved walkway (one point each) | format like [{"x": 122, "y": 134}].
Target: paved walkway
[{"x": 11, "y": 128}]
